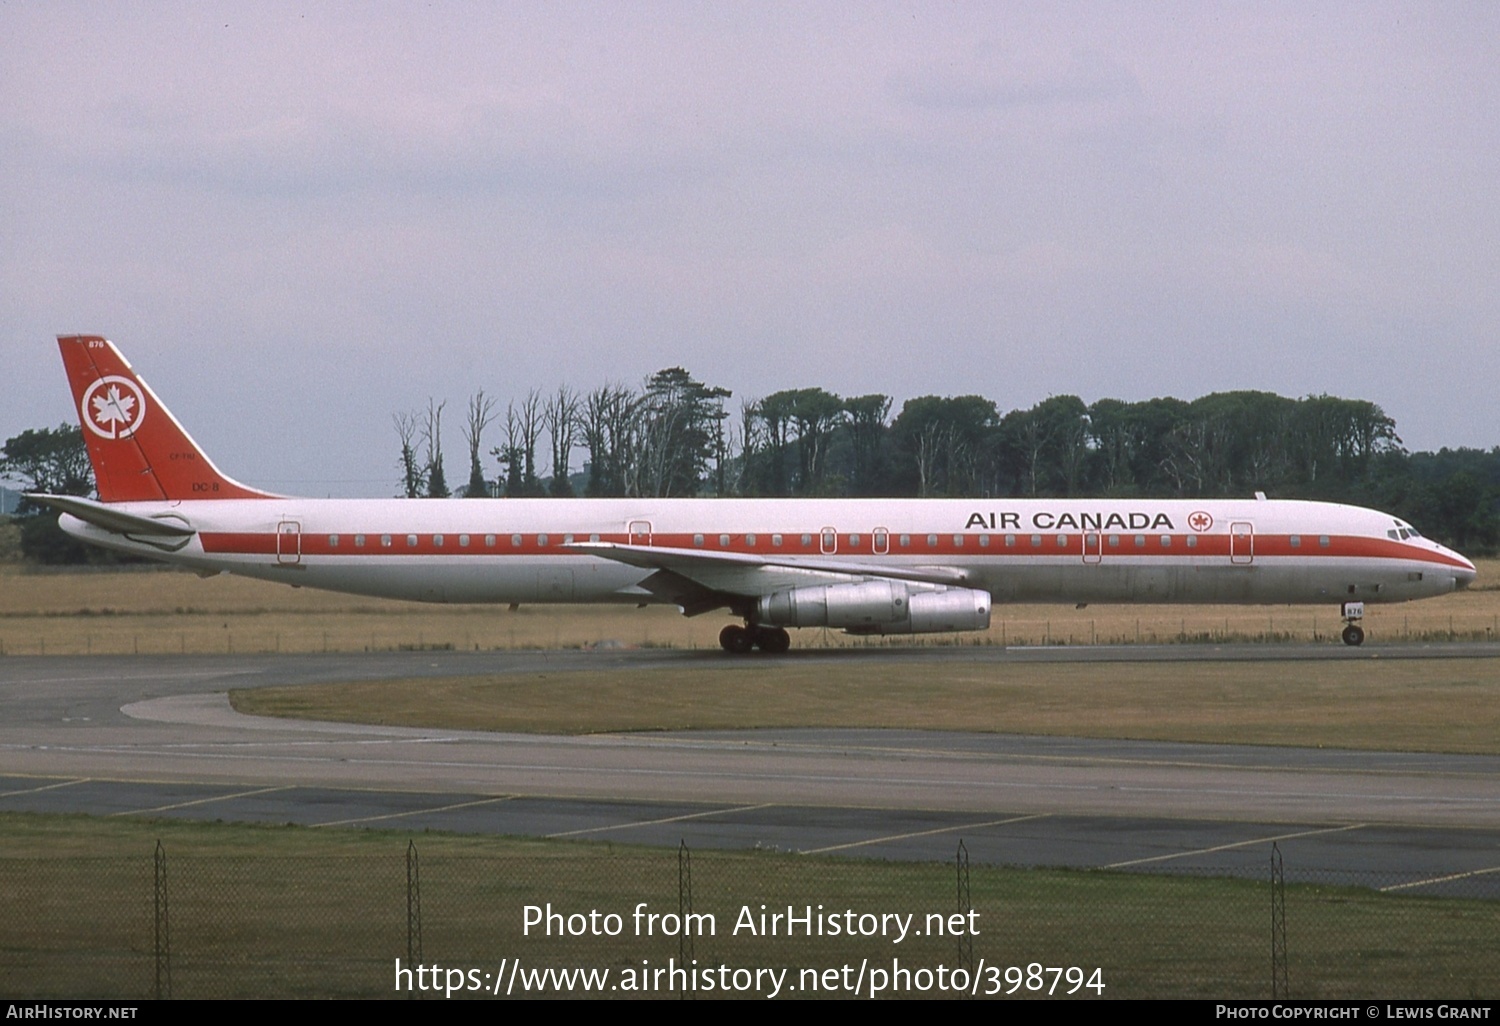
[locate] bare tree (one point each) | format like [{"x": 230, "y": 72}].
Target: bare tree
[
  {"x": 432, "y": 435},
  {"x": 481, "y": 414},
  {"x": 413, "y": 481},
  {"x": 561, "y": 417},
  {"x": 523, "y": 429},
  {"x": 608, "y": 419}
]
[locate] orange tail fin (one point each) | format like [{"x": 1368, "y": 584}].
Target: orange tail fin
[{"x": 139, "y": 451}]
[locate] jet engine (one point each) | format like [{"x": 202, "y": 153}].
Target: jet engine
[{"x": 878, "y": 607}]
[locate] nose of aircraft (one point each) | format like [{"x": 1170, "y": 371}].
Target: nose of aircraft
[{"x": 1464, "y": 576}]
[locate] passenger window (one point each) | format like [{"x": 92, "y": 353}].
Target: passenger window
[
  {"x": 1323, "y": 541},
  {"x": 489, "y": 541},
  {"x": 385, "y": 541},
  {"x": 1036, "y": 541},
  {"x": 463, "y": 541},
  {"x": 984, "y": 541},
  {"x": 1062, "y": 541},
  {"x": 1295, "y": 541},
  {"x": 1192, "y": 541},
  {"x": 1166, "y": 541},
  {"x": 437, "y": 540},
  {"x": 958, "y": 541},
  {"x": 1114, "y": 541},
  {"x": 932, "y": 541},
  {"x": 411, "y": 541},
  {"x": 750, "y": 540},
  {"x": 724, "y": 541},
  {"x": 541, "y": 539},
  {"x": 1140, "y": 541},
  {"x": 853, "y": 540},
  {"x": 567, "y": 539},
  {"x": 905, "y": 540},
  {"x": 776, "y": 540},
  {"x": 333, "y": 541},
  {"x": 1010, "y": 541},
  {"x": 806, "y": 540},
  {"x": 515, "y": 541},
  {"x": 595, "y": 537},
  {"x": 359, "y": 541},
  {"x": 698, "y": 540}
]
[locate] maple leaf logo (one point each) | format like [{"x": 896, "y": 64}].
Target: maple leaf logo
[{"x": 113, "y": 407}]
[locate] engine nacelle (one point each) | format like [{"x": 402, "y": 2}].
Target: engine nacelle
[{"x": 878, "y": 607}]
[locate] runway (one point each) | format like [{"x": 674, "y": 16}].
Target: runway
[{"x": 154, "y": 736}]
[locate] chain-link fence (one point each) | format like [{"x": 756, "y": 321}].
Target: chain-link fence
[{"x": 613, "y": 922}]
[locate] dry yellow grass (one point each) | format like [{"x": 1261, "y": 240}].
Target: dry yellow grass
[{"x": 150, "y": 610}]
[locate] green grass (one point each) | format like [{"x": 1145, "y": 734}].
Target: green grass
[
  {"x": 295, "y": 912},
  {"x": 1446, "y": 705}
]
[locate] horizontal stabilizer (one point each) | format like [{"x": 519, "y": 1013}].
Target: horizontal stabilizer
[{"x": 115, "y": 520}]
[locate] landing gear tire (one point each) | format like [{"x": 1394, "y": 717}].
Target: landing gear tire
[
  {"x": 1354, "y": 635},
  {"x": 772, "y": 640},
  {"x": 736, "y": 639}
]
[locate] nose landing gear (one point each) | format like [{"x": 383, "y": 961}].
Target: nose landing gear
[
  {"x": 1353, "y": 612},
  {"x": 739, "y": 640}
]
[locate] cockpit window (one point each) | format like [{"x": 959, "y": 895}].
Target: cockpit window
[{"x": 1405, "y": 530}]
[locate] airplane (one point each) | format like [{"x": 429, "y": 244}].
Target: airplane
[{"x": 866, "y": 566}]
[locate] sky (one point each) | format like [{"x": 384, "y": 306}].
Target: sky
[{"x": 297, "y": 221}]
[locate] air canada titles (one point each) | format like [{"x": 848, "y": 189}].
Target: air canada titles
[{"x": 1049, "y": 520}]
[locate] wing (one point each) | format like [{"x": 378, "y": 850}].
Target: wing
[{"x": 699, "y": 581}]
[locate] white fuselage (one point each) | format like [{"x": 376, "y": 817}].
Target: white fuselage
[{"x": 1032, "y": 550}]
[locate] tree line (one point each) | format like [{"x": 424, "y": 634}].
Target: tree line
[{"x": 676, "y": 436}]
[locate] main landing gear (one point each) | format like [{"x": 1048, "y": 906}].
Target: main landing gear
[
  {"x": 1353, "y": 612},
  {"x": 739, "y": 640}
]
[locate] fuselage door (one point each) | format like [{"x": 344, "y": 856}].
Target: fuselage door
[
  {"x": 882, "y": 540},
  {"x": 640, "y": 532},
  {"x": 289, "y": 542},
  {"x": 1241, "y": 543},
  {"x": 828, "y": 541},
  {"x": 1093, "y": 546}
]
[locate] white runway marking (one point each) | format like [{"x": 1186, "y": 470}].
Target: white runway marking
[
  {"x": 925, "y": 833},
  {"x": 1237, "y": 844},
  {"x": 200, "y": 801},
  {"x": 668, "y": 819},
  {"x": 1442, "y": 879},
  {"x": 416, "y": 812},
  {"x": 45, "y": 787}
]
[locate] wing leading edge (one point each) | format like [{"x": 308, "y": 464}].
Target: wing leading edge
[{"x": 699, "y": 581}]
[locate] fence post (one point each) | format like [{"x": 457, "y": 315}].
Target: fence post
[
  {"x": 685, "y": 944},
  {"x": 965, "y": 905},
  {"x": 163, "y": 933},
  {"x": 1279, "y": 989},
  {"x": 413, "y": 909}
]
